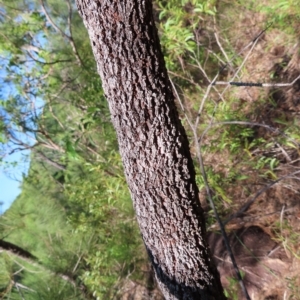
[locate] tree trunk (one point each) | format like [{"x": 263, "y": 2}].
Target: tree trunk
[{"x": 153, "y": 145}]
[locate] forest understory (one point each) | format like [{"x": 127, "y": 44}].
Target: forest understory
[{"x": 74, "y": 221}]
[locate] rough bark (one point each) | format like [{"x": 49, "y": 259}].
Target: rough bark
[{"x": 153, "y": 145}]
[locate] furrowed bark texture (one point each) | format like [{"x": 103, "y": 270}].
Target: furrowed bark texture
[{"x": 153, "y": 145}]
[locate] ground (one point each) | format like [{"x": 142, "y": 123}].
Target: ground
[{"x": 263, "y": 217}]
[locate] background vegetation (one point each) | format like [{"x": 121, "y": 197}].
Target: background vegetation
[{"x": 73, "y": 220}]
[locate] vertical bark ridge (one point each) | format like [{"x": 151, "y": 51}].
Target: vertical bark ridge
[{"x": 153, "y": 145}]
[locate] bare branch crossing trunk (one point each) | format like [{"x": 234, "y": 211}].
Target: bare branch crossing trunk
[{"x": 153, "y": 145}]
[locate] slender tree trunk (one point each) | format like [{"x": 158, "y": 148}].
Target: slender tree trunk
[{"x": 153, "y": 145}]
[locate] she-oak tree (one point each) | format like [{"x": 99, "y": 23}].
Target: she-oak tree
[{"x": 153, "y": 145}]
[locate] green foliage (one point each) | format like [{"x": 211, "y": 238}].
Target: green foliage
[
  {"x": 231, "y": 291},
  {"x": 179, "y": 21},
  {"x": 282, "y": 13},
  {"x": 74, "y": 213},
  {"x": 104, "y": 209},
  {"x": 5, "y": 270}
]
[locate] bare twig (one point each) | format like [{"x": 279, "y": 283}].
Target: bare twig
[
  {"x": 219, "y": 43},
  {"x": 222, "y": 226},
  {"x": 63, "y": 34},
  {"x": 205, "y": 75},
  {"x": 247, "y": 205},
  {"x": 253, "y": 42},
  {"x": 74, "y": 48},
  {"x": 270, "y": 128},
  {"x": 48, "y": 62},
  {"x": 256, "y": 84},
  {"x": 242, "y": 64},
  {"x": 202, "y": 104},
  {"x": 201, "y": 164},
  {"x": 51, "y": 162},
  {"x": 181, "y": 104}
]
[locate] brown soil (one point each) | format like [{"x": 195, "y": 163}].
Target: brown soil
[{"x": 262, "y": 261}]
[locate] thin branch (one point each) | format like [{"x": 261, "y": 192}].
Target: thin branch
[
  {"x": 17, "y": 284},
  {"x": 222, "y": 226},
  {"x": 272, "y": 129},
  {"x": 47, "y": 62},
  {"x": 74, "y": 48},
  {"x": 242, "y": 64},
  {"x": 54, "y": 116},
  {"x": 205, "y": 75},
  {"x": 253, "y": 42},
  {"x": 51, "y": 162},
  {"x": 212, "y": 83},
  {"x": 182, "y": 77},
  {"x": 181, "y": 104},
  {"x": 51, "y": 21},
  {"x": 247, "y": 205},
  {"x": 219, "y": 43},
  {"x": 69, "y": 38},
  {"x": 256, "y": 84},
  {"x": 19, "y": 290},
  {"x": 203, "y": 102},
  {"x": 203, "y": 172}
]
